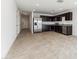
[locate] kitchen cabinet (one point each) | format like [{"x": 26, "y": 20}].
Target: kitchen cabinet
[
  {"x": 67, "y": 30},
  {"x": 52, "y": 19},
  {"x": 52, "y": 27},
  {"x": 58, "y": 29},
  {"x": 68, "y": 16},
  {"x": 46, "y": 28},
  {"x": 64, "y": 29},
  {"x": 59, "y": 18},
  {"x": 46, "y": 18}
]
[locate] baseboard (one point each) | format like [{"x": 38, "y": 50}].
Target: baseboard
[{"x": 9, "y": 46}]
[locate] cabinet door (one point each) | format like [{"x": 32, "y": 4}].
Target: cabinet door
[
  {"x": 68, "y": 16},
  {"x": 46, "y": 28},
  {"x": 56, "y": 29},
  {"x": 67, "y": 30},
  {"x": 59, "y": 18},
  {"x": 52, "y": 28},
  {"x": 46, "y": 18},
  {"x": 60, "y": 29},
  {"x": 52, "y": 18}
]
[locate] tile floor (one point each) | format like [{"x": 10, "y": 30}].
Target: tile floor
[{"x": 45, "y": 45}]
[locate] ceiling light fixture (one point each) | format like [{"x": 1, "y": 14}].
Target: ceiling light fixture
[{"x": 60, "y": 1}]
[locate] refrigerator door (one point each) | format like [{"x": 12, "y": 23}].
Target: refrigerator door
[{"x": 37, "y": 24}]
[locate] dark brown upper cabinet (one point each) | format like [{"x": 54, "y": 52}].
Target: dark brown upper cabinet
[
  {"x": 56, "y": 18},
  {"x": 45, "y": 18},
  {"x": 68, "y": 16},
  {"x": 59, "y": 18},
  {"x": 52, "y": 18}
]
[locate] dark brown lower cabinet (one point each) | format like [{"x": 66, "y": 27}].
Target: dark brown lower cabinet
[
  {"x": 52, "y": 28},
  {"x": 67, "y": 30},
  {"x": 46, "y": 28},
  {"x": 58, "y": 29}
]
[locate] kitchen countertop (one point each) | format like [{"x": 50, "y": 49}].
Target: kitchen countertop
[{"x": 57, "y": 23}]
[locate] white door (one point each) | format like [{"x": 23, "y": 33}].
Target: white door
[{"x": 17, "y": 23}]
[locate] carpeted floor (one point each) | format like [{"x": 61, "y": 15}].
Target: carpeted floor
[{"x": 45, "y": 45}]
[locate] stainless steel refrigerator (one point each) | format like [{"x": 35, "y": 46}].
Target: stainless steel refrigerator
[{"x": 37, "y": 24}]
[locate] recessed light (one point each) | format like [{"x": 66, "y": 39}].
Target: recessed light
[
  {"x": 37, "y": 4},
  {"x": 60, "y": 1}
]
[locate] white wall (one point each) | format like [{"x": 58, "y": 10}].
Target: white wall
[
  {"x": 18, "y": 18},
  {"x": 74, "y": 10},
  {"x": 8, "y": 25}
]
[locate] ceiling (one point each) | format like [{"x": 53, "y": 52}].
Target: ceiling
[{"x": 46, "y": 6}]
